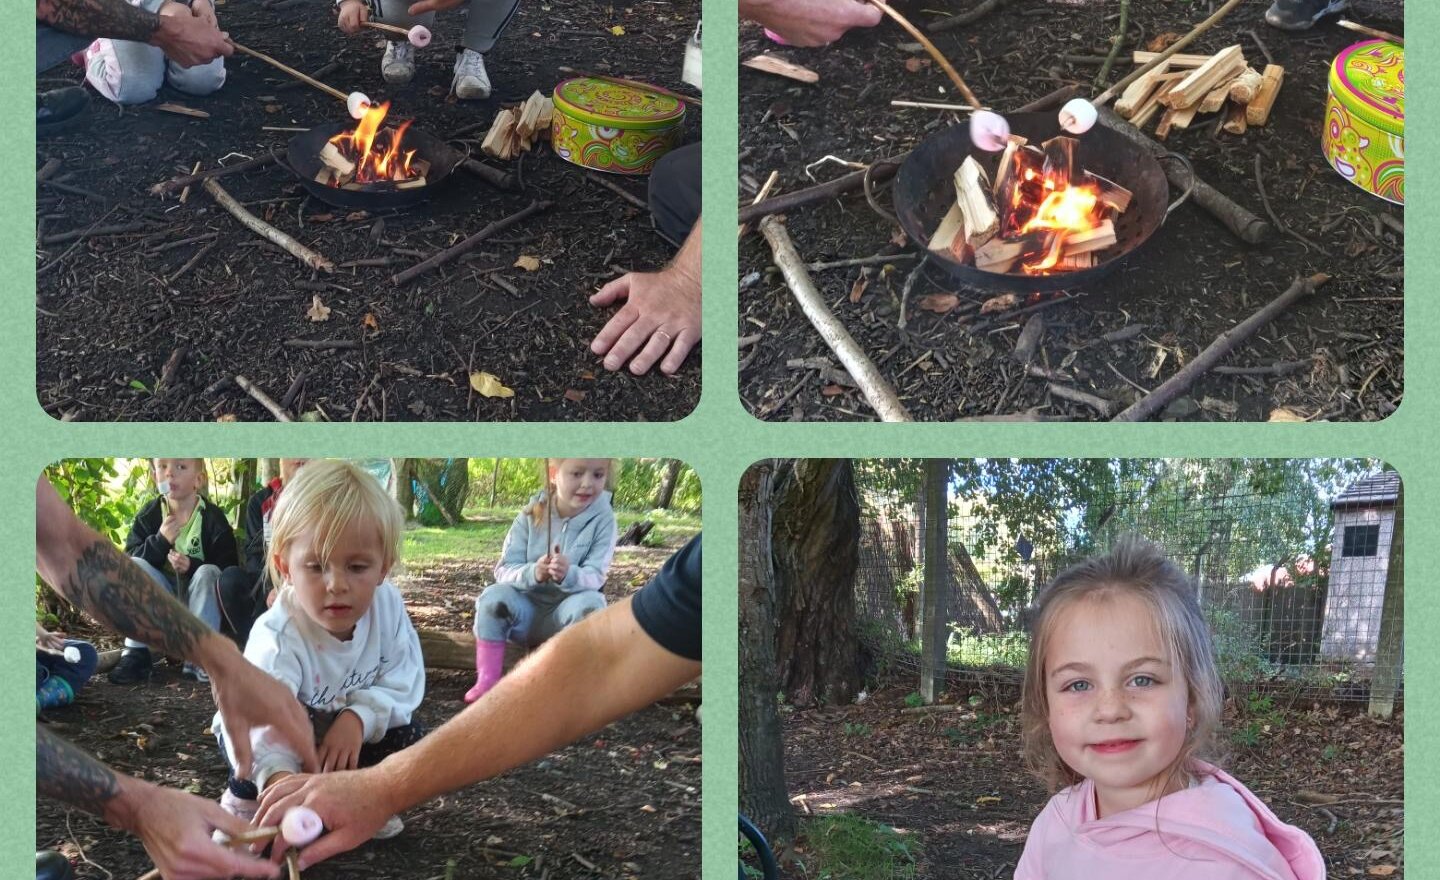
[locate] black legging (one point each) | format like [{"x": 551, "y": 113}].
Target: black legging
[{"x": 675, "y": 192}]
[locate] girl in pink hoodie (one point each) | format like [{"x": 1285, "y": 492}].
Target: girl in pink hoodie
[{"x": 1122, "y": 701}]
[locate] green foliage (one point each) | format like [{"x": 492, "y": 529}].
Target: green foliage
[
  {"x": 1261, "y": 716},
  {"x": 1239, "y": 649},
  {"x": 639, "y": 479},
  {"x": 846, "y": 847},
  {"x": 914, "y": 700},
  {"x": 969, "y": 648},
  {"x": 514, "y": 481},
  {"x": 857, "y": 730}
]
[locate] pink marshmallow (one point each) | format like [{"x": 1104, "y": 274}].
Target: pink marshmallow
[
  {"x": 989, "y": 131},
  {"x": 301, "y": 825},
  {"x": 419, "y": 36}
]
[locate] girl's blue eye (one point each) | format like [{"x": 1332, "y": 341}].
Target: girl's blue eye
[
  {"x": 1143, "y": 681},
  {"x": 1076, "y": 687}
]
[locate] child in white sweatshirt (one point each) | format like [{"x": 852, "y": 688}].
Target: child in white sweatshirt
[{"x": 338, "y": 634}]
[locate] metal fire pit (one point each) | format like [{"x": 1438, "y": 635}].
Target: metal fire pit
[
  {"x": 303, "y": 158},
  {"x": 924, "y": 191}
]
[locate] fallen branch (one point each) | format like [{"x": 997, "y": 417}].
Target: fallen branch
[
  {"x": 877, "y": 391},
  {"x": 263, "y": 399},
  {"x": 1074, "y": 395},
  {"x": 320, "y": 344},
  {"x": 620, "y": 191},
  {"x": 96, "y": 231},
  {"x": 1223, "y": 345},
  {"x": 468, "y": 244},
  {"x": 964, "y": 18},
  {"x": 493, "y": 176},
  {"x": 266, "y": 231},
  {"x": 174, "y": 183}
]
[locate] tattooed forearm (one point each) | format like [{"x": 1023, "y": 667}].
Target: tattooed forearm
[
  {"x": 117, "y": 592},
  {"x": 115, "y": 19},
  {"x": 64, "y": 773}
]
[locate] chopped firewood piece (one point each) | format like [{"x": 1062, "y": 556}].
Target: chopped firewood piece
[
  {"x": 547, "y": 115},
  {"x": 1007, "y": 163},
  {"x": 1215, "y": 99},
  {"x": 1112, "y": 194},
  {"x": 1138, "y": 91},
  {"x": 420, "y": 167},
  {"x": 1097, "y": 239},
  {"x": 1235, "y": 119},
  {"x": 1222, "y": 67},
  {"x": 1060, "y": 160},
  {"x": 1177, "y": 61},
  {"x": 1000, "y": 254},
  {"x": 497, "y": 138},
  {"x": 530, "y": 115},
  {"x": 336, "y": 161},
  {"x": 1151, "y": 106},
  {"x": 977, "y": 205},
  {"x": 781, "y": 67},
  {"x": 1246, "y": 86},
  {"x": 949, "y": 234},
  {"x": 1257, "y": 112},
  {"x": 1183, "y": 117},
  {"x": 413, "y": 183},
  {"x": 1011, "y": 161},
  {"x": 1073, "y": 262},
  {"x": 325, "y": 177},
  {"x": 1167, "y": 122}
]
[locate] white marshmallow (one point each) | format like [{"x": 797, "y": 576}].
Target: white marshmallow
[
  {"x": 1078, "y": 116},
  {"x": 989, "y": 131},
  {"x": 357, "y": 104},
  {"x": 419, "y": 36},
  {"x": 72, "y": 654},
  {"x": 301, "y": 825}
]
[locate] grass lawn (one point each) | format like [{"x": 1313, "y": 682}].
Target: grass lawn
[{"x": 483, "y": 532}]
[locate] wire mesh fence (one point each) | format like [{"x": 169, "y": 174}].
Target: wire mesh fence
[{"x": 1293, "y": 585}]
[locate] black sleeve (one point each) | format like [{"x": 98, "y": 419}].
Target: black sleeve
[
  {"x": 255, "y": 532},
  {"x": 145, "y": 540},
  {"x": 218, "y": 539},
  {"x": 668, "y": 608}
]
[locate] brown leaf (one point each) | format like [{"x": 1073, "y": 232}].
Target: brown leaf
[
  {"x": 1381, "y": 871},
  {"x": 322, "y": 218},
  {"x": 1000, "y": 303},
  {"x": 318, "y": 311},
  {"x": 832, "y": 390},
  {"x": 915, "y": 65},
  {"x": 489, "y": 385},
  {"x": 587, "y": 376},
  {"x": 369, "y": 321},
  {"x": 528, "y": 263},
  {"x": 573, "y": 395},
  {"x": 358, "y": 215},
  {"x": 273, "y": 108},
  {"x": 898, "y": 237},
  {"x": 939, "y": 303},
  {"x": 1161, "y": 42},
  {"x": 857, "y": 289},
  {"x": 1285, "y": 414}
]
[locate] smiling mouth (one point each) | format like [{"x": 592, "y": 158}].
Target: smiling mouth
[{"x": 1115, "y": 746}]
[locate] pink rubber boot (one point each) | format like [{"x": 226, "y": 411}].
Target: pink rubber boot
[{"x": 489, "y": 660}]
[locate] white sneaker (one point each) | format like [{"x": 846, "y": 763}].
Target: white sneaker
[
  {"x": 471, "y": 82},
  {"x": 398, "y": 65},
  {"x": 392, "y": 828}
]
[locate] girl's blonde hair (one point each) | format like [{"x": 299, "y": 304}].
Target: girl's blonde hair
[
  {"x": 1138, "y": 568},
  {"x": 547, "y": 467},
  {"x": 324, "y": 498},
  {"x": 202, "y": 487}
]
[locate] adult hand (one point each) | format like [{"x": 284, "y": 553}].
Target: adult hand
[
  {"x": 352, "y": 804},
  {"x": 202, "y": 9},
  {"x": 179, "y": 561},
  {"x": 175, "y": 827},
  {"x": 340, "y": 749},
  {"x": 425, "y": 6},
  {"x": 661, "y": 318},
  {"x": 189, "y": 39},
  {"x": 248, "y": 698},
  {"x": 810, "y": 22},
  {"x": 353, "y": 15}
]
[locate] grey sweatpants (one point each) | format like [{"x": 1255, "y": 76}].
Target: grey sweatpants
[
  {"x": 529, "y": 617},
  {"x": 485, "y": 19}
]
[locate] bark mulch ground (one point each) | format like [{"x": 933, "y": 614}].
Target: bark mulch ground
[
  {"x": 955, "y": 779},
  {"x": 1192, "y": 281},
  {"x": 114, "y": 308},
  {"x": 621, "y": 803}
]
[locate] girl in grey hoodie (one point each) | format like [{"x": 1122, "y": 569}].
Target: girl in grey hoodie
[{"x": 552, "y": 567}]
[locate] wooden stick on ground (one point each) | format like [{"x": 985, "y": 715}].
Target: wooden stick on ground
[
  {"x": 468, "y": 244},
  {"x": 263, "y": 399},
  {"x": 1223, "y": 345},
  {"x": 266, "y": 231},
  {"x": 760, "y": 197},
  {"x": 169, "y": 186},
  {"x": 1173, "y": 49},
  {"x": 876, "y": 389}
]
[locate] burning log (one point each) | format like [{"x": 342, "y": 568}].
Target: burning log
[
  {"x": 977, "y": 205},
  {"x": 1000, "y": 255},
  {"x": 1091, "y": 240},
  {"x": 341, "y": 169},
  {"x": 1221, "y": 67},
  {"x": 1112, "y": 194},
  {"x": 1257, "y": 112},
  {"x": 1059, "y": 161}
]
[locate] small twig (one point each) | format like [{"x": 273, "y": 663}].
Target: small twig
[
  {"x": 96, "y": 231},
  {"x": 190, "y": 263},
  {"x": 1223, "y": 345},
  {"x": 263, "y": 399},
  {"x": 185, "y": 193},
  {"x": 74, "y": 190},
  {"x": 1264, "y": 49},
  {"x": 1274, "y": 218},
  {"x": 876, "y": 389},
  {"x": 760, "y": 197},
  {"x": 320, "y": 344},
  {"x": 468, "y": 244},
  {"x": 964, "y": 18},
  {"x": 909, "y": 285},
  {"x": 1282, "y": 368},
  {"x": 935, "y": 53},
  {"x": 294, "y": 390},
  {"x": 266, "y": 231},
  {"x": 1099, "y": 404},
  {"x": 1115, "y": 46},
  {"x": 620, "y": 191},
  {"x": 1371, "y": 32},
  {"x": 169, "y": 186},
  {"x": 881, "y": 169}
]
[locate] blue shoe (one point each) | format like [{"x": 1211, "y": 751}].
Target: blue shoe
[
  {"x": 1301, "y": 15},
  {"x": 51, "y": 865},
  {"x": 53, "y": 694}
]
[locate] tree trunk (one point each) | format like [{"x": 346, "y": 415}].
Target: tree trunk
[
  {"x": 1390, "y": 652},
  {"x": 816, "y": 535},
  {"x": 937, "y": 579},
  {"x": 494, "y": 481},
  {"x": 763, "y": 795},
  {"x": 269, "y": 469},
  {"x": 666, "y": 493},
  {"x": 403, "y": 489}
]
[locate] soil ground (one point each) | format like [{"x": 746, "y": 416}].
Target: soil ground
[
  {"x": 115, "y": 308},
  {"x": 955, "y": 779},
  {"x": 1192, "y": 281},
  {"x": 628, "y": 796}
]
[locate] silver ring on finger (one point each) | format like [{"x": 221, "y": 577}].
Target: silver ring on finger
[{"x": 667, "y": 336}]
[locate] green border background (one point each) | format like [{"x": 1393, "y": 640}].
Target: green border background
[{"x": 720, "y": 440}]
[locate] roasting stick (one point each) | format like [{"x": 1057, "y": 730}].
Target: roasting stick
[
  {"x": 418, "y": 36},
  {"x": 620, "y": 80},
  {"x": 1371, "y": 32},
  {"x": 988, "y": 130},
  {"x": 356, "y": 102},
  {"x": 259, "y": 835}
]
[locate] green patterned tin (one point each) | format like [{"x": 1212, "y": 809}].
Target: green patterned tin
[{"x": 612, "y": 127}]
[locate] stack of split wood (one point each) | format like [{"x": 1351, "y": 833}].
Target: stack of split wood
[
  {"x": 515, "y": 131},
  {"x": 1184, "y": 86},
  {"x": 990, "y": 226},
  {"x": 336, "y": 169}
]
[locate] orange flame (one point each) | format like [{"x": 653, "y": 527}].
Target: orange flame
[
  {"x": 1062, "y": 211},
  {"x": 362, "y": 146}
]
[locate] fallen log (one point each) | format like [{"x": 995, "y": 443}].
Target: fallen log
[
  {"x": 1223, "y": 345},
  {"x": 876, "y": 389},
  {"x": 297, "y": 250}
]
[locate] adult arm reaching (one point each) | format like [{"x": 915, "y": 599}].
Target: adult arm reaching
[
  {"x": 187, "y": 37},
  {"x": 96, "y": 577}
]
